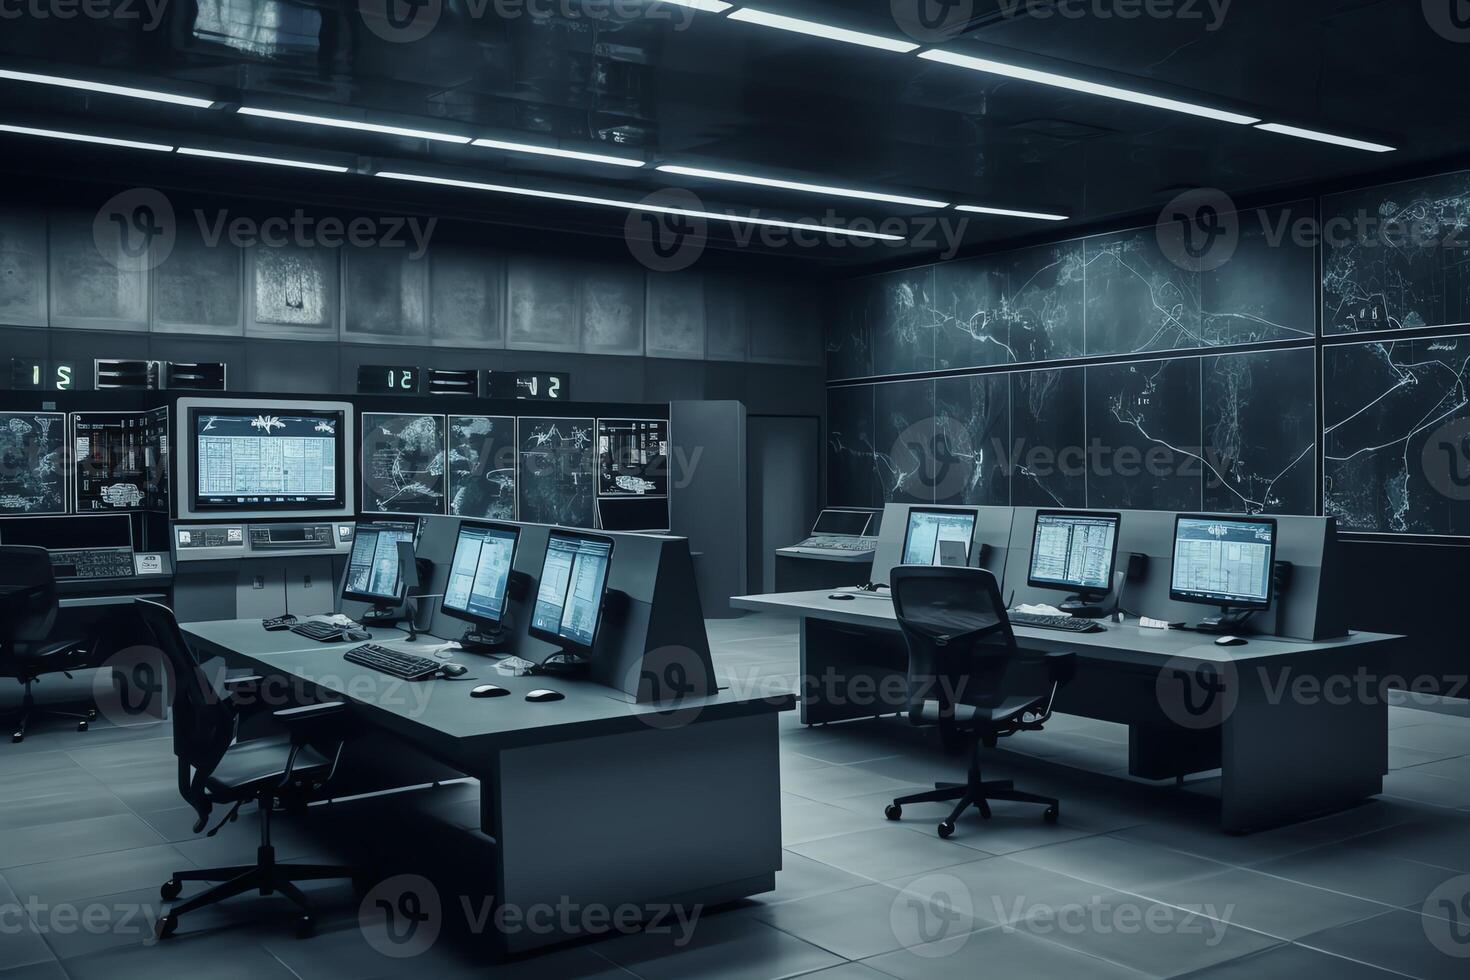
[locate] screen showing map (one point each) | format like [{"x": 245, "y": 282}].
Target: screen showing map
[{"x": 261, "y": 459}]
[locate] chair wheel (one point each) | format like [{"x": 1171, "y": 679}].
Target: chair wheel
[
  {"x": 92, "y": 714},
  {"x": 165, "y": 927},
  {"x": 17, "y": 737},
  {"x": 893, "y": 811},
  {"x": 946, "y": 829},
  {"x": 305, "y": 926},
  {"x": 81, "y": 726},
  {"x": 1051, "y": 814},
  {"x": 171, "y": 890}
]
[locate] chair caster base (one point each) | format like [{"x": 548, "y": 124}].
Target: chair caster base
[
  {"x": 17, "y": 737},
  {"x": 81, "y": 726},
  {"x": 171, "y": 890},
  {"x": 1051, "y": 814},
  {"x": 893, "y": 811},
  {"x": 165, "y": 927},
  {"x": 946, "y": 829}
]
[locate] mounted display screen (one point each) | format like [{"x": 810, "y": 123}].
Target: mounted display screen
[{"x": 263, "y": 460}]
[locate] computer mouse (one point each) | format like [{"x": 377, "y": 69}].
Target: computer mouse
[
  {"x": 488, "y": 691},
  {"x": 1230, "y": 641},
  {"x": 454, "y": 670},
  {"x": 840, "y": 597},
  {"x": 356, "y": 636},
  {"x": 544, "y": 695}
]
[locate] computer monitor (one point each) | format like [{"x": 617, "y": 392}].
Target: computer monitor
[
  {"x": 248, "y": 457},
  {"x": 939, "y": 537},
  {"x": 479, "y": 580},
  {"x": 568, "y": 608},
  {"x": 1075, "y": 552},
  {"x": 374, "y": 573},
  {"x": 852, "y": 523},
  {"x": 633, "y": 513},
  {"x": 81, "y": 547},
  {"x": 1224, "y": 561}
]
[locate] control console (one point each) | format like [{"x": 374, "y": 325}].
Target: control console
[{"x": 214, "y": 542}]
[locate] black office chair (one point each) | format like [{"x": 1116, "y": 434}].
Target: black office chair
[
  {"x": 968, "y": 677},
  {"x": 28, "y": 608},
  {"x": 215, "y": 769}
]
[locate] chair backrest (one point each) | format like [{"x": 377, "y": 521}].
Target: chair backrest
[
  {"x": 204, "y": 720},
  {"x": 959, "y": 639},
  {"x": 27, "y": 596}
]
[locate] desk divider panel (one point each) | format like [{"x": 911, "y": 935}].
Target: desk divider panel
[{"x": 652, "y": 643}]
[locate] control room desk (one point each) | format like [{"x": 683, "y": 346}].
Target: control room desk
[
  {"x": 594, "y": 799},
  {"x": 1297, "y": 729}
]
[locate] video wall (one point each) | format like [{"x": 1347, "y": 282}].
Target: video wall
[
  {"x": 940, "y": 389},
  {"x": 58, "y": 463}
]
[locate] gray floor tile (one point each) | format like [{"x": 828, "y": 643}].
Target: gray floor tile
[
  {"x": 70, "y": 879},
  {"x": 1413, "y": 784},
  {"x": 804, "y": 820},
  {"x": 27, "y": 763},
  {"x": 1117, "y": 863},
  {"x": 1291, "y": 962},
  {"x": 180, "y": 957},
  {"x": 21, "y": 943},
  {"x": 862, "y": 922},
  {"x": 1443, "y": 842},
  {"x": 724, "y": 947},
  {"x": 997, "y": 952},
  {"x": 885, "y": 852},
  {"x": 801, "y": 877},
  {"x": 50, "y": 970},
  {"x": 835, "y": 782},
  {"x": 1362, "y": 873},
  {"x": 1436, "y": 736},
  {"x": 1284, "y": 909},
  {"x": 1395, "y": 941},
  {"x": 73, "y": 838}
]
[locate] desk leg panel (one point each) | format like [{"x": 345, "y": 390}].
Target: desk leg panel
[
  {"x": 646, "y": 819},
  {"x": 848, "y": 672}
]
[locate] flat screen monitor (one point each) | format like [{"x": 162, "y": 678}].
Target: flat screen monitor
[
  {"x": 1223, "y": 561},
  {"x": 853, "y": 523},
  {"x": 937, "y": 537},
  {"x": 259, "y": 458},
  {"x": 479, "y": 573},
  {"x": 569, "y": 598},
  {"x": 633, "y": 514},
  {"x": 70, "y": 533},
  {"x": 373, "y": 572},
  {"x": 1074, "y": 552}
]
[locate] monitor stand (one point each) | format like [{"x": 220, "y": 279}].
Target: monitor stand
[
  {"x": 383, "y": 615},
  {"x": 1229, "y": 621},
  {"x": 1086, "y": 605},
  {"x": 564, "y": 663},
  {"x": 476, "y": 641}
]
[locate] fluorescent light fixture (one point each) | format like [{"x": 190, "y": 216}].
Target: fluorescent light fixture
[
  {"x": 552, "y": 151},
  {"x": 639, "y": 206},
  {"x": 792, "y": 185},
  {"x": 84, "y": 138},
  {"x": 249, "y": 158},
  {"x": 812, "y": 28},
  {"x": 85, "y": 85},
  {"x": 1008, "y": 213},
  {"x": 711, "y": 6},
  {"x": 1087, "y": 88},
  {"x": 366, "y": 127},
  {"x": 1311, "y": 134}
]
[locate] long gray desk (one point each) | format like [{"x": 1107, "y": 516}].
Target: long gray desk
[
  {"x": 1297, "y": 728},
  {"x": 593, "y": 800}
]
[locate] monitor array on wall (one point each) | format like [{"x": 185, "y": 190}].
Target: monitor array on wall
[
  {"x": 1101, "y": 372},
  {"x": 57, "y": 463}
]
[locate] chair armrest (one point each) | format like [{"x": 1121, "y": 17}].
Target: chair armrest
[
  {"x": 247, "y": 684},
  {"x": 313, "y": 720}
]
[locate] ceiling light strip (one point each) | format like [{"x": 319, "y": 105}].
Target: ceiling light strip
[
  {"x": 189, "y": 151},
  {"x": 85, "y": 138},
  {"x": 640, "y": 206},
  {"x": 764, "y": 18},
  {"x": 1085, "y": 87},
  {"x": 553, "y": 151},
  {"x": 709, "y": 6},
  {"x": 85, "y": 85},
  {"x": 1320, "y": 137},
  {"x": 792, "y": 185},
  {"x": 1008, "y": 213},
  {"x": 367, "y": 127}
]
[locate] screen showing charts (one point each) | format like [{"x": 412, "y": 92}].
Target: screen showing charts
[
  {"x": 573, "y": 577},
  {"x": 1224, "y": 561},
  {"x": 262, "y": 459},
  {"x": 479, "y": 572},
  {"x": 938, "y": 537},
  {"x": 372, "y": 568},
  {"x": 1074, "y": 551}
]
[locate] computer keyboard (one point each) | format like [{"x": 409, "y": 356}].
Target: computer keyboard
[
  {"x": 839, "y": 544},
  {"x": 1069, "y": 624},
  {"x": 404, "y": 665},
  {"x": 322, "y": 632}
]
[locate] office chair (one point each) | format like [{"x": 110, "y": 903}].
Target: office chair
[
  {"x": 28, "y": 608},
  {"x": 215, "y": 769},
  {"x": 967, "y": 676}
]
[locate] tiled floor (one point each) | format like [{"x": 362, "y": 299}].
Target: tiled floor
[{"x": 1135, "y": 880}]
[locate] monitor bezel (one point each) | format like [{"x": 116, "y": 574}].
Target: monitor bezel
[
  {"x": 465, "y": 616},
  {"x": 1199, "y": 599},
  {"x": 556, "y": 639},
  {"x": 867, "y": 524},
  {"x": 1035, "y": 583},
  {"x": 908, "y": 529},
  {"x": 183, "y": 450},
  {"x": 377, "y": 600}
]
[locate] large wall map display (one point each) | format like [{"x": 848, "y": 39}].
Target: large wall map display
[
  {"x": 558, "y": 471},
  {"x": 403, "y": 464},
  {"x": 1397, "y": 257},
  {"x": 32, "y": 464},
  {"x": 482, "y": 467}
]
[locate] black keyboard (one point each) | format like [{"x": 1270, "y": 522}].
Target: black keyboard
[
  {"x": 278, "y": 623},
  {"x": 314, "y": 629},
  {"x": 1069, "y": 624},
  {"x": 405, "y": 665}
]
